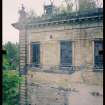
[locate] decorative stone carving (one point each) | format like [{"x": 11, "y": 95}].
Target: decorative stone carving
[{"x": 22, "y": 13}]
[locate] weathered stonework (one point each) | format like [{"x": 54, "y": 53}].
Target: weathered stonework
[
  {"x": 48, "y": 84},
  {"x": 82, "y": 42},
  {"x": 64, "y": 89}
]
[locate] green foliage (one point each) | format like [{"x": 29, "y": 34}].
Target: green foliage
[
  {"x": 5, "y": 62},
  {"x": 11, "y": 59},
  {"x": 11, "y": 88}
]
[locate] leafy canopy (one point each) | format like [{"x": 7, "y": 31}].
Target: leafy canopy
[{"x": 11, "y": 59}]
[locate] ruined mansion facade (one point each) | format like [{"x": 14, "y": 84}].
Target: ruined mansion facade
[{"x": 56, "y": 46}]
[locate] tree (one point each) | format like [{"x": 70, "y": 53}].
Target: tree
[
  {"x": 11, "y": 59},
  {"x": 86, "y": 4},
  {"x": 66, "y": 6},
  {"x": 5, "y": 63},
  {"x": 69, "y": 4}
]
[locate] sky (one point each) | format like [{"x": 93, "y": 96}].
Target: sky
[{"x": 10, "y": 15}]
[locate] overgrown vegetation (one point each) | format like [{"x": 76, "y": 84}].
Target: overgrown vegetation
[
  {"x": 79, "y": 6},
  {"x": 87, "y": 4},
  {"x": 11, "y": 59},
  {"x": 10, "y": 85},
  {"x": 10, "y": 76}
]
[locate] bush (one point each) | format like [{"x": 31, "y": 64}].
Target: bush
[{"x": 11, "y": 81}]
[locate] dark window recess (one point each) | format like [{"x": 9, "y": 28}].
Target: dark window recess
[
  {"x": 35, "y": 54},
  {"x": 101, "y": 52},
  {"x": 98, "y": 54},
  {"x": 66, "y": 53}
]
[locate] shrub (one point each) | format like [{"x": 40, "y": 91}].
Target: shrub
[{"x": 10, "y": 84}]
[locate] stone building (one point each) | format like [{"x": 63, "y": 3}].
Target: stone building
[{"x": 54, "y": 47}]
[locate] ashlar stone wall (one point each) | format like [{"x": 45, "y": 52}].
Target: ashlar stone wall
[{"x": 82, "y": 42}]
